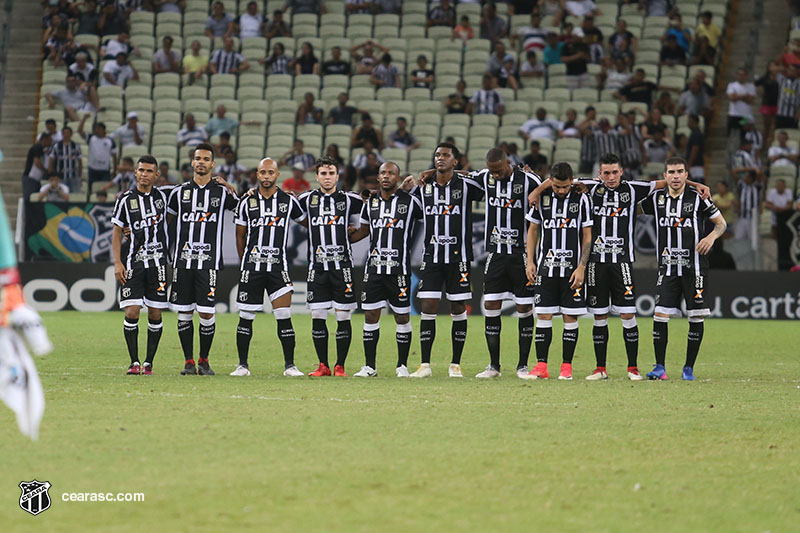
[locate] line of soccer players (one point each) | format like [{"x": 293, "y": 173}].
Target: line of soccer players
[{"x": 537, "y": 257}]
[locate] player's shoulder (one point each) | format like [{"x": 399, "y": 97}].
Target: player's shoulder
[
  {"x": 125, "y": 196},
  {"x": 352, "y": 196},
  {"x": 306, "y": 195}
]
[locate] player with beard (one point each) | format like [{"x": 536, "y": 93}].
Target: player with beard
[
  {"x": 262, "y": 230},
  {"x": 388, "y": 217}
]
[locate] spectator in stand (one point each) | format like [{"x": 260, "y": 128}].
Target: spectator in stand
[
  {"x": 511, "y": 153},
  {"x": 35, "y": 166},
  {"x": 336, "y": 65},
  {"x": 493, "y": 27},
  {"x": 296, "y": 184},
  {"x": 725, "y": 201},
  {"x": 780, "y": 201},
  {"x": 278, "y": 61},
  {"x": 653, "y": 122},
  {"x": 277, "y": 27},
  {"x": 112, "y": 21},
  {"x": 342, "y": 113},
  {"x": 681, "y": 33},
  {"x": 508, "y": 76},
  {"x": 307, "y": 112},
  {"x": 531, "y": 68},
  {"x": 629, "y": 140},
  {"x": 165, "y": 175},
  {"x": 533, "y": 37},
  {"x": 388, "y": 6},
  {"x": 51, "y": 128},
  {"x": 170, "y": 6},
  {"x": 402, "y": 138},
  {"x": 186, "y": 173},
  {"x": 360, "y": 161},
  {"x": 231, "y": 171},
  {"x": 622, "y": 52},
  {"x": 536, "y": 160},
  {"x": 297, "y": 155},
  {"x": 788, "y": 98},
  {"x": 552, "y": 10},
  {"x": 66, "y": 160},
  {"x": 366, "y": 60},
  {"x": 540, "y": 127},
  {"x": 606, "y": 139},
  {"x": 443, "y": 14},
  {"x": 709, "y": 30},
  {"x": 637, "y": 90},
  {"x": 702, "y": 53},
  {"x": 622, "y": 35},
  {"x": 422, "y": 76},
  {"x": 750, "y": 132},
  {"x": 770, "y": 89},
  {"x": 130, "y": 133},
  {"x": 54, "y": 190},
  {"x": 576, "y": 57},
  {"x": 695, "y": 150},
  {"x": 167, "y": 59},
  {"x": 586, "y": 128},
  {"x": 791, "y": 54},
  {"x": 366, "y": 132},
  {"x": 743, "y": 160},
  {"x": 498, "y": 58},
  {"x": 74, "y": 99},
  {"x": 700, "y": 76},
  {"x": 694, "y": 101},
  {"x": 464, "y": 31},
  {"x": 219, "y": 123},
  {"x": 223, "y": 145},
  {"x": 226, "y": 60},
  {"x": 616, "y": 77},
  {"x": 671, "y": 53},
  {"x": 358, "y": 7},
  {"x": 125, "y": 179},
  {"x": 581, "y": 8},
  {"x": 118, "y": 72},
  {"x": 782, "y": 155},
  {"x": 112, "y": 47},
  {"x": 368, "y": 174},
  {"x": 102, "y": 152},
  {"x": 313, "y": 7},
  {"x": 88, "y": 19},
  {"x": 250, "y": 23},
  {"x": 656, "y": 8},
  {"x": 551, "y": 55},
  {"x": 741, "y": 94},
  {"x": 191, "y": 134},
  {"x": 195, "y": 65},
  {"x": 750, "y": 189},
  {"x": 486, "y": 101},
  {"x": 219, "y": 24},
  {"x": 457, "y": 102},
  {"x": 385, "y": 74},
  {"x": 657, "y": 149},
  {"x": 306, "y": 62},
  {"x": 84, "y": 70},
  {"x": 569, "y": 128}
]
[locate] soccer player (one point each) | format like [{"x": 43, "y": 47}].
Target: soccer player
[
  {"x": 140, "y": 262},
  {"x": 680, "y": 214},
  {"x": 507, "y": 189},
  {"x": 330, "y": 263},
  {"x": 262, "y": 229},
  {"x": 559, "y": 242},
  {"x": 198, "y": 206},
  {"x": 447, "y": 206},
  {"x": 388, "y": 217}
]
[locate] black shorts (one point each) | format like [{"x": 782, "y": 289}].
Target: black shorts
[
  {"x": 504, "y": 278},
  {"x": 144, "y": 286},
  {"x": 250, "y": 296},
  {"x": 193, "y": 290},
  {"x": 554, "y": 295},
  {"x": 454, "y": 276},
  {"x": 691, "y": 289},
  {"x": 386, "y": 289},
  {"x": 331, "y": 289},
  {"x": 609, "y": 287}
]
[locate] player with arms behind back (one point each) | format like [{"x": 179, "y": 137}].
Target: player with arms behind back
[
  {"x": 680, "y": 214},
  {"x": 262, "y": 229}
]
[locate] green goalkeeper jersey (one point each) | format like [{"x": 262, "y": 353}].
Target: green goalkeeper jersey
[{"x": 8, "y": 258}]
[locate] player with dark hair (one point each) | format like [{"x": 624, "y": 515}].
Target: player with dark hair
[
  {"x": 557, "y": 262},
  {"x": 388, "y": 217},
  {"x": 198, "y": 206},
  {"x": 140, "y": 262},
  {"x": 447, "y": 206},
  {"x": 262, "y": 230},
  {"x": 680, "y": 214},
  {"x": 330, "y": 263}
]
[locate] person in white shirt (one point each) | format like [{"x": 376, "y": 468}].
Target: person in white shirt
[
  {"x": 540, "y": 127},
  {"x": 580, "y": 8},
  {"x": 54, "y": 190},
  {"x": 118, "y": 72},
  {"x": 251, "y": 23},
  {"x": 741, "y": 94},
  {"x": 112, "y": 47},
  {"x": 780, "y": 201},
  {"x": 102, "y": 152},
  {"x": 782, "y": 155},
  {"x": 130, "y": 133}
]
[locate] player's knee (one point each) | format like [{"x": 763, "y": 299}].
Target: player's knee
[
  {"x": 492, "y": 304},
  {"x": 282, "y": 313},
  {"x": 524, "y": 311},
  {"x": 457, "y": 308},
  {"x": 429, "y": 306},
  {"x": 541, "y": 317},
  {"x": 570, "y": 319},
  {"x": 402, "y": 318},
  {"x": 372, "y": 316},
  {"x": 206, "y": 316},
  {"x": 603, "y": 316},
  {"x": 627, "y": 316},
  {"x": 342, "y": 316},
  {"x": 132, "y": 312}
]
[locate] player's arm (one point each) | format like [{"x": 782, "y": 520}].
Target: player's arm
[
  {"x": 530, "y": 244},
  {"x": 116, "y": 248},
  {"x": 357, "y": 234},
  {"x": 241, "y": 240},
  {"x": 707, "y": 242},
  {"x": 533, "y": 197},
  {"x": 576, "y": 279}
]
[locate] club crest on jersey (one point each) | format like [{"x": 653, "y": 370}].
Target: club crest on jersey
[
  {"x": 428, "y": 188},
  {"x": 402, "y": 209},
  {"x": 314, "y": 201},
  {"x": 134, "y": 204},
  {"x": 601, "y": 190},
  {"x": 517, "y": 189},
  {"x": 545, "y": 201},
  {"x": 374, "y": 203},
  {"x": 159, "y": 204},
  {"x": 340, "y": 206},
  {"x": 625, "y": 197},
  {"x": 491, "y": 181},
  {"x": 687, "y": 208},
  {"x": 662, "y": 200},
  {"x": 456, "y": 195},
  {"x": 283, "y": 208},
  {"x": 574, "y": 208},
  {"x": 253, "y": 203},
  {"x": 187, "y": 195},
  {"x": 215, "y": 202}
]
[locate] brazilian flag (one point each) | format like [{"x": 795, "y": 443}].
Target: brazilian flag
[{"x": 61, "y": 232}]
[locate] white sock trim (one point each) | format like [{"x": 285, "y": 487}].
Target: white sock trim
[
  {"x": 185, "y": 317},
  {"x": 319, "y": 314},
  {"x": 696, "y": 319},
  {"x": 343, "y": 315},
  {"x": 282, "y": 313},
  {"x": 372, "y": 327},
  {"x": 460, "y": 316},
  {"x": 426, "y": 316},
  {"x": 247, "y": 315},
  {"x": 657, "y": 318},
  {"x": 600, "y": 322},
  {"x": 404, "y": 328},
  {"x": 155, "y": 326},
  {"x": 130, "y": 321},
  {"x": 492, "y": 312},
  {"x": 629, "y": 323},
  {"x": 544, "y": 323},
  {"x": 526, "y": 314},
  {"x": 208, "y": 321},
  {"x": 570, "y": 325}
]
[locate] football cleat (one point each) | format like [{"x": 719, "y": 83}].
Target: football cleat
[
  {"x": 522, "y": 372},
  {"x": 633, "y": 374},
  {"x": 402, "y": 371},
  {"x": 241, "y": 370},
  {"x": 366, "y": 372},
  {"x": 322, "y": 370},
  {"x": 688, "y": 373},
  {"x": 598, "y": 374},
  {"x": 203, "y": 367},
  {"x": 490, "y": 372},
  {"x": 566, "y": 371},
  {"x": 339, "y": 372},
  {"x": 658, "y": 372},
  {"x": 147, "y": 369},
  {"x": 134, "y": 369},
  {"x": 424, "y": 371},
  {"x": 454, "y": 371},
  {"x": 189, "y": 369},
  {"x": 539, "y": 371},
  {"x": 292, "y": 372}
]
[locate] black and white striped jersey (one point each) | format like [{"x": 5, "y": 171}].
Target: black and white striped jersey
[
  {"x": 614, "y": 217},
  {"x": 561, "y": 222},
  {"x": 328, "y": 218},
  {"x": 146, "y": 216},
  {"x": 788, "y": 96},
  {"x": 199, "y": 212},
  {"x": 448, "y": 218},
  {"x": 391, "y": 223},
  {"x": 679, "y": 227},
  {"x": 267, "y": 223},
  {"x": 506, "y": 205},
  {"x": 749, "y": 198}
]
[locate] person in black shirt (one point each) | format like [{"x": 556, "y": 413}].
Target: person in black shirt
[
  {"x": 536, "y": 160},
  {"x": 335, "y": 65},
  {"x": 35, "y": 167},
  {"x": 343, "y": 113},
  {"x": 672, "y": 53},
  {"x": 366, "y": 132},
  {"x": 457, "y": 101},
  {"x": 637, "y": 90},
  {"x": 422, "y": 76},
  {"x": 770, "y": 91}
]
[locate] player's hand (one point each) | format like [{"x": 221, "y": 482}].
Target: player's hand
[
  {"x": 408, "y": 183},
  {"x": 576, "y": 279},
  {"x": 426, "y": 176},
  {"x": 705, "y": 192},
  {"x": 126, "y": 232},
  {"x": 119, "y": 273},
  {"x": 250, "y": 192},
  {"x": 15, "y": 313},
  {"x": 705, "y": 245},
  {"x": 579, "y": 187},
  {"x": 533, "y": 198},
  {"x": 530, "y": 271},
  {"x": 351, "y": 229},
  {"x": 220, "y": 181}
]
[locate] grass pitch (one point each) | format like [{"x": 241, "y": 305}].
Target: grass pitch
[{"x": 268, "y": 453}]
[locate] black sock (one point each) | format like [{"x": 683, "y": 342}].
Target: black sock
[
  {"x": 427, "y": 333},
  {"x": 131, "y": 330},
  {"x": 344, "y": 333},
  {"x": 186, "y": 336},
  {"x": 600, "y": 337},
  {"x": 660, "y": 334},
  {"x": 403, "y": 344},
  {"x": 458, "y": 334},
  {"x": 525, "y": 330},
  {"x": 544, "y": 335},
  {"x": 492, "y": 325},
  {"x": 569, "y": 340},
  {"x": 693, "y": 344},
  {"x": 244, "y": 333},
  {"x": 154, "y": 329},
  {"x": 631, "y": 344},
  {"x": 286, "y": 336},
  {"x": 206, "y": 337},
  {"x": 371, "y": 337},
  {"x": 319, "y": 332}
]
